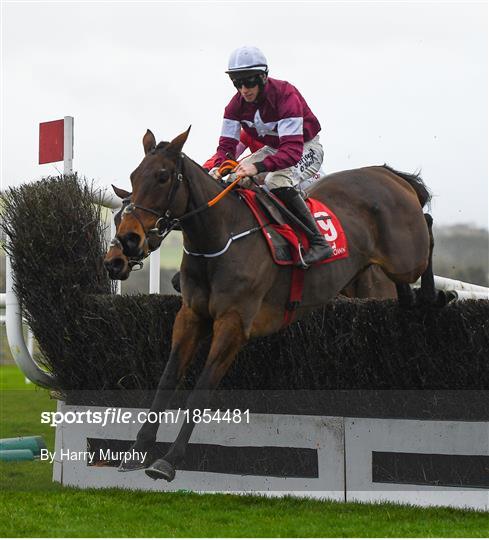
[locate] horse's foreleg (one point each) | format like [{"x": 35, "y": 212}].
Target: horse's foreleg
[
  {"x": 188, "y": 330},
  {"x": 228, "y": 338}
]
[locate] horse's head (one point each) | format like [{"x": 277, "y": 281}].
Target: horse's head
[{"x": 158, "y": 196}]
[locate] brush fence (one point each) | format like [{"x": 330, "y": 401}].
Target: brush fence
[{"x": 422, "y": 462}]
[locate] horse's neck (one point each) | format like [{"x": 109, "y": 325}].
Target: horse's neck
[{"x": 208, "y": 230}]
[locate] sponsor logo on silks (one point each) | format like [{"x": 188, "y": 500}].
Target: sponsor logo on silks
[
  {"x": 306, "y": 160},
  {"x": 330, "y": 233},
  {"x": 327, "y": 226},
  {"x": 338, "y": 251}
]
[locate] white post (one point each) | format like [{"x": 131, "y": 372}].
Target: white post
[
  {"x": 154, "y": 272},
  {"x": 30, "y": 348},
  {"x": 68, "y": 145},
  {"x": 30, "y": 342}
]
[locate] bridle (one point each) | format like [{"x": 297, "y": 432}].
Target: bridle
[{"x": 165, "y": 223}]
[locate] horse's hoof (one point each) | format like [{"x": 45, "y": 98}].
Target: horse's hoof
[
  {"x": 437, "y": 299},
  {"x": 128, "y": 465},
  {"x": 132, "y": 463},
  {"x": 161, "y": 470},
  {"x": 445, "y": 297}
]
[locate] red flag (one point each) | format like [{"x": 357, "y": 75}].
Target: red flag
[{"x": 51, "y": 141}]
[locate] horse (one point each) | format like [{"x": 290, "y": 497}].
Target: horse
[{"x": 231, "y": 288}]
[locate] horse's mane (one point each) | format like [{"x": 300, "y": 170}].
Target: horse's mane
[
  {"x": 202, "y": 169},
  {"x": 198, "y": 165},
  {"x": 416, "y": 182},
  {"x": 161, "y": 146}
]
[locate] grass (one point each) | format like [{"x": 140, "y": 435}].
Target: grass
[
  {"x": 5, "y": 353},
  {"x": 171, "y": 251},
  {"x": 32, "y": 505}
]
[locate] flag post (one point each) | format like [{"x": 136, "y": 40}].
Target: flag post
[{"x": 68, "y": 145}]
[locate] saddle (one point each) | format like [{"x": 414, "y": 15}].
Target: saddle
[{"x": 286, "y": 241}]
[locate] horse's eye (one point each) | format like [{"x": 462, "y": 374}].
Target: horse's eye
[{"x": 162, "y": 175}]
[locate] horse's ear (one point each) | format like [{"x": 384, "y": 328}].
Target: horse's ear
[
  {"x": 149, "y": 141},
  {"x": 175, "y": 147},
  {"x": 121, "y": 193}
]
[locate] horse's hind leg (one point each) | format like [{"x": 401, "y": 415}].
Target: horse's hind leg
[
  {"x": 188, "y": 330},
  {"x": 228, "y": 338},
  {"x": 427, "y": 294},
  {"x": 405, "y": 295}
]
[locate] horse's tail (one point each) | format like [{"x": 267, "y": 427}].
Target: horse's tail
[{"x": 416, "y": 182}]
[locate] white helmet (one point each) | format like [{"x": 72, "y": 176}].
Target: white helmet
[{"x": 247, "y": 59}]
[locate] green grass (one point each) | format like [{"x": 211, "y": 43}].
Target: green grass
[
  {"x": 32, "y": 505},
  {"x": 171, "y": 251}
]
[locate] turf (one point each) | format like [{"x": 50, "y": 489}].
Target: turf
[{"x": 32, "y": 505}]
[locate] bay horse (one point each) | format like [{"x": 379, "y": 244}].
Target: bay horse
[{"x": 242, "y": 293}]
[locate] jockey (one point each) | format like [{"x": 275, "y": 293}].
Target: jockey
[
  {"x": 247, "y": 142},
  {"x": 274, "y": 113}
]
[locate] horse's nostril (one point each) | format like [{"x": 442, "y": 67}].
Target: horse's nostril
[
  {"x": 114, "y": 266},
  {"x": 117, "y": 265},
  {"x": 130, "y": 242}
]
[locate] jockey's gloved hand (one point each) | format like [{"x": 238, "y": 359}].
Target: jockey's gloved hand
[{"x": 214, "y": 172}]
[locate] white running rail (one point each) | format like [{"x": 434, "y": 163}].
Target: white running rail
[{"x": 464, "y": 291}]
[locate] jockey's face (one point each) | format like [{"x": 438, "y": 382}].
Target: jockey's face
[
  {"x": 249, "y": 94},
  {"x": 249, "y": 87}
]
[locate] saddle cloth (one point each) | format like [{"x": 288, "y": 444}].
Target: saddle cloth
[{"x": 285, "y": 241}]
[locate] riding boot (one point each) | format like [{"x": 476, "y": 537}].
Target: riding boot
[{"x": 319, "y": 249}]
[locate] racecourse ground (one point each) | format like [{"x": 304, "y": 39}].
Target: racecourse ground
[{"x": 32, "y": 505}]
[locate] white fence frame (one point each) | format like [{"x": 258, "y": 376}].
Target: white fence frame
[{"x": 344, "y": 446}]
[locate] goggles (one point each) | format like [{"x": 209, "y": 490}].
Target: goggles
[{"x": 248, "y": 82}]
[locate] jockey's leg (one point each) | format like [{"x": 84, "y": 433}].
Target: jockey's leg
[
  {"x": 284, "y": 185},
  {"x": 310, "y": 167},
  {"x": 319, "y": 249}
]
